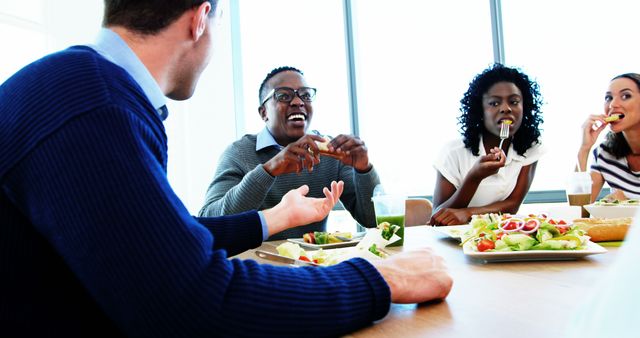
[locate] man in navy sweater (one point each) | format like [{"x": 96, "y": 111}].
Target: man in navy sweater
[{"x": 93, "y": 240}]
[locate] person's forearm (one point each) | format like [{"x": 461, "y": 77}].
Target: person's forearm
[
  {"x": 583, "y": 156},
  {"x": 506, "y": 206},
  {"x": 462, "y": 196}
]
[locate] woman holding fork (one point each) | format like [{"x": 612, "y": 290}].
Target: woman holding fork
[{"x": 490, "y": 169}]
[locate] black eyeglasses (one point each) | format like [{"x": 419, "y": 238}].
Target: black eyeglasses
[{"x": 286, "y": 94}]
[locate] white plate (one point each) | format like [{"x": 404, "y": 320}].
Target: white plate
[
  {"x": 611, "y": 211},
  {"x": 453, "y": 231},
  {"x": 535, "y": 255},
  {"x": 302, "y": 243}
]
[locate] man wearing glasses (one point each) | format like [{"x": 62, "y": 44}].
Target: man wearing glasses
[{"x": 257, "y": 170}]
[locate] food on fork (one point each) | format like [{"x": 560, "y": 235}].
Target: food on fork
[
  {"x": 507, "y": 122},
  {"x": 613, "y": 117}
]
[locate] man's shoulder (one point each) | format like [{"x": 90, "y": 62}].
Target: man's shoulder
[
  {"x": 241, "y": 148},
  {"x": 245, "y": 143},
  {"x": 68, "y": 74}
]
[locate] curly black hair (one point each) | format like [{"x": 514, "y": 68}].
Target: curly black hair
[
  {"x": 615, "y": 143},
  {"x": 263, "y": 86},
  {"x": 471, "y": 120}
]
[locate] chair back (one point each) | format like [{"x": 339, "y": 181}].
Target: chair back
[{"x": 417, "y": 211}]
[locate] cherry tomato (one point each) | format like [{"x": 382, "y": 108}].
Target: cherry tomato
[
  {"x": 552, "y": 221},
  {"x": 304, "y": 258},
  {"x": 562, "y": 222},
  {"x": 510, "y": 226},
  {"x": 562, "y": 228},
  {"x": 500, "y": 234},
  {"x": 530, "y": 225},
  {"x": 485, "y": 245}
]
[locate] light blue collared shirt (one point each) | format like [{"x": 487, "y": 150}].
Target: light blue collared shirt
[
  {"x": 111, "y": 46},
  {"x": 265, "y": 140}
]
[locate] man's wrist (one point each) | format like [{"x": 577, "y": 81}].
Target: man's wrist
[{"x": 367, "y": 169}]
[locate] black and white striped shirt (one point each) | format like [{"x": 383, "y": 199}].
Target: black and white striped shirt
[{"x": 616, "y": 172}]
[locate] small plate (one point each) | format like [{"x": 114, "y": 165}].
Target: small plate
[
  {"x": 453, "y": 231},
  {"x": 356, "y": 239},
  {"x": 535, "y": 255}
]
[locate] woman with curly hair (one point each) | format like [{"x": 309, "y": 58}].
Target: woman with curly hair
[
  {"x": 617, "y": 158},
  {"x": 475, "y": 176}
]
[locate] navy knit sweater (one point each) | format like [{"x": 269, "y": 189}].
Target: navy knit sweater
[{"x": 93, "y": 240}]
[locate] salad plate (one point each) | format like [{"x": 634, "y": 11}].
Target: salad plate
[
  {"x": 357, "y": 237},
  {"x": 534, "y": 255},
  {"x": 452, "y": 231}
]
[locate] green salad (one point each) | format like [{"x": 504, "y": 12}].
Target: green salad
[{"x": 494, "y": 232}]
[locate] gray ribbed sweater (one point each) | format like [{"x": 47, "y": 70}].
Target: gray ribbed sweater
[{"x": 242, "y": 184}]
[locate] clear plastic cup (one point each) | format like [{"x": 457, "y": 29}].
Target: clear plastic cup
[
  {"x": 390, "y": 208},
  {"x": 579, "y": 190}
]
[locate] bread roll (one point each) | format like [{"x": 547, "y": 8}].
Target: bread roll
[
  {"x": 324, "y": 149},
  {"x": 604, "y": 229}
]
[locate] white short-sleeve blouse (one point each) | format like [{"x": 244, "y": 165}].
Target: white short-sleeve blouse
[{"x": 455, "y": 161}]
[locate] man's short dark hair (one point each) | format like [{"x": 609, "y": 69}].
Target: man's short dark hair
[
  {"x": 148, "y": 16},
  {"x": 263, "y": 86}
]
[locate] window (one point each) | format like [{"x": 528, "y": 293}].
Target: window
[
  {"x": 414, "y": 61},
  {"x": 573, "y": 55},
  {"x": 22, "y": 32},
  {"x": 308, "y": 35}
]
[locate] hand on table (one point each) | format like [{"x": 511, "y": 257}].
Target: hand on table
[
  {"x": 450, "y": 216},
  {"x": 296, "y": 209},
  {"x": 415, "y": 276}
]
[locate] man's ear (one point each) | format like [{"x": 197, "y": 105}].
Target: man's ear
[
  {"x": 263, "y": 113},
  {"x": 200, "y": 20}
]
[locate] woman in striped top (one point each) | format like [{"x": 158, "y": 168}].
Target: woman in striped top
[{"x": 617, "y": 158}]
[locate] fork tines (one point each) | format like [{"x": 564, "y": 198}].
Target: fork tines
[{"x": 504, "y": 133}]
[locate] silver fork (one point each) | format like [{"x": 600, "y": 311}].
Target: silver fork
[{"x": 504, "y": 133}]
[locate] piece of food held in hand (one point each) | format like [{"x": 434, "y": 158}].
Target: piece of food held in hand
[
  {"x": 318, "y": 237},
  {"x": 613, "y": 117},
  {"x": 507, "y": 122},
  {"x": 324, "y": 148},
  {"x": 493, "y": 232}
]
